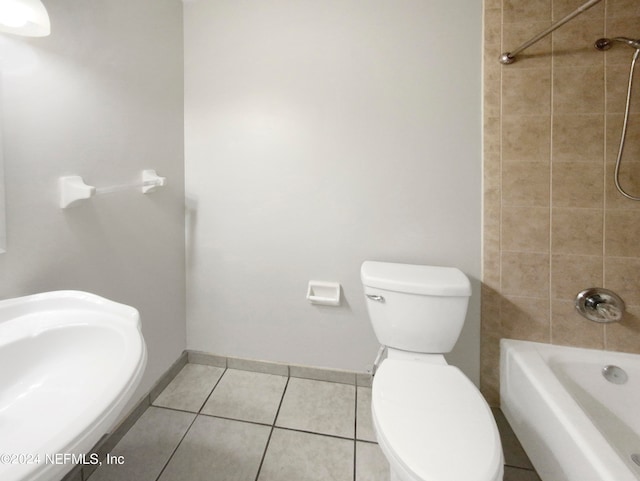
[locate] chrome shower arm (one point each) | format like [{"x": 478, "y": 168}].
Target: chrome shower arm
[
  {"x": 607, "y": 43},
  {"x": 510, "y": 57}
]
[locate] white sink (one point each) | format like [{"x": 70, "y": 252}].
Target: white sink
[{"x": 69, "y": 362}]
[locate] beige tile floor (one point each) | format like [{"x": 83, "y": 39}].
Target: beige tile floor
[{"x": 233, "y": 425}]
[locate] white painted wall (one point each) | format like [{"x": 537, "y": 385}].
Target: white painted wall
[
  {"x": 102, "y": 97},
  {"x": 318, "y": 135}
]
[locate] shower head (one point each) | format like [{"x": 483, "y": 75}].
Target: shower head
[{"x": 607, "y": 43}]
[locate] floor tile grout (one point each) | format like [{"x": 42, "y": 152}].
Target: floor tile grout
[
  {"x": 189, "y": 428},
  {"x": 355, "y": 432},
  {"x": 235, "y": 419},
  {"x": 519, "y": 467},
  {"x": 515, "y": 466},
  {"x": 273, "y": 426},
  {"x": 176, "y": 448},
  {"x": 212, "y": 389},
  {"x": 334, "y": 436},
  {"x": 175, "y": 409},
  {"x": 358, "y": 419}
]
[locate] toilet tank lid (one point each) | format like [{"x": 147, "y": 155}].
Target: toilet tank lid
[{"x": 415, "y": 279}]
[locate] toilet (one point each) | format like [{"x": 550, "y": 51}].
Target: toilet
[{"x": 430, "y": 420}]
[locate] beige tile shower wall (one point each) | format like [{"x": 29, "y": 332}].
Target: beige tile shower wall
[{"x": 554, "y": 223}]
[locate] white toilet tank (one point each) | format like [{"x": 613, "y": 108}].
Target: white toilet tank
[{"x": 416, "y": 308}]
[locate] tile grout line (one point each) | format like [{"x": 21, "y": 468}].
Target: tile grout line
[
  {"x": 188, "y": 429},
  {"x": 550, "y": 277},
  {"x": 325, "y": 435},
  {"x": 355, "y": 433},
  {"x": 256, "y": 423},
  {"x": 227, "y": 418},
  {"x": 353, "y": 438},
  {"x": 273, "y": 426},
  {"x": 214, "y": 388},
  {"x": 176, "y": 448},
  {"x": 605, "y": 179}
]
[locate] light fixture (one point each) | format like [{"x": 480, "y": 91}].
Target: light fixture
[{"x": 24, "y": 17}]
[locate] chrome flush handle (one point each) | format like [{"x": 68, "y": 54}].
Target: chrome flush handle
[{"x": 376, "y": 298}]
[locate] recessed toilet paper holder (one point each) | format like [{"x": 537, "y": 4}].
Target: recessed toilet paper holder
[{"x": 324, "y": 293}]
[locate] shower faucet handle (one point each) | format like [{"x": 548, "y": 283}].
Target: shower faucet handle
[
  {"x": 600, "y": 305},
  {"x": 610, "y": 312}
]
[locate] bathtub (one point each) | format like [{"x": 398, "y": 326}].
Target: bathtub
[{"x": 574, "y": 424}]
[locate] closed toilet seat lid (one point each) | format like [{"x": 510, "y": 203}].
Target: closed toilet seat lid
[{"x": 434, "y": 423}]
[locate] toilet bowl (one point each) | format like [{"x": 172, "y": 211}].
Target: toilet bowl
[{"x": 431, "y": 422}]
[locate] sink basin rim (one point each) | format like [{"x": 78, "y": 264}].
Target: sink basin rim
[{"x": 28, "y": 317}]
